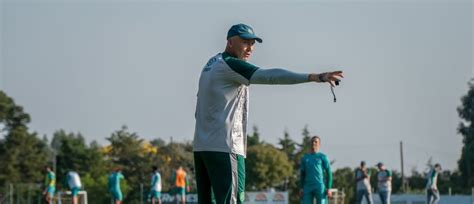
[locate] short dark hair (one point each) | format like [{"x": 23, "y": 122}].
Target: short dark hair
[
  {"x": 155, "y": 168},
  {"x": 362, "y": 163},
  {"x": 315, "y": 138}
]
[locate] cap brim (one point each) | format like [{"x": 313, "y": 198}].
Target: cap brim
[{"x": 250, "y": 36}]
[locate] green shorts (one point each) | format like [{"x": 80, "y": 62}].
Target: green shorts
[
  {"x": 220, "y": 177},
  {"x": 75, "y": 191},
  {"x": 117, "y": 194},
  {"x": 51, "y": 190},
  {"x": 179, "y": 191},
  {"x": 155, "y": 194},
  {"x": 311, "y": 193}
]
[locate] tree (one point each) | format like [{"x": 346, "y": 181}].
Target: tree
[
  {"x": 22, "y": 154},
  {"x": 452, "y": 180},
  {"x": 136, "y": 157},
  {"x": 466, "y": 129},
  {"x": 127, "y": 152},
  {"x": 158, "y": 142},
  {"x": 170, "y": 157},
  {"x": 270, "y": 167},
  {"x": 288, "y": 146},
  {"x": 304, "y": 146},
  {"x": 344, "y": 180},
  {"x": 254, "y": 138},
  {"x": 12, "y": 115},
  {"x": 396, "y": 182},
  {"x": 416, "y": 182},
  {"x": 96, "y": 188},
  {"x": 72, "y": 153},
  {"x": 23, "y": 157}
]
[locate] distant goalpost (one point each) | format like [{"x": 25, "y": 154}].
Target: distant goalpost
[{"x": 66, "y": 198}]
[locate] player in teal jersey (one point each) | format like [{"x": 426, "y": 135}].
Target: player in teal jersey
[
  {"x": 384, "y": 183},
  {"x": 50, "y": 185},
  {"x": 155, "y": 192},
  {"x": 363, "y": 187},
  {"x": 114, "y": 185},
  {"x": 316, "y": 175},
  {"x": 431, "y": 185}
]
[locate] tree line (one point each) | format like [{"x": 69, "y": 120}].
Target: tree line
[{"x": 24, "y": 153}]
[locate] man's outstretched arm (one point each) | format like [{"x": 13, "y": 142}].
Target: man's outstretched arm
[
  {"x": 251, "y": 74},
  {"x": 283, "y": 76}
]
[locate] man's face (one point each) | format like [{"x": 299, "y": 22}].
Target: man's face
[
  {"x": 315, "y": 143},
  {"x": 242, "y": 48}
]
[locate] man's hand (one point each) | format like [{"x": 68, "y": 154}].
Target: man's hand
[
  {"x": 330, "y": 77},
  {"x": 329, "y": 193},
  {"x": 187, "y": 189},
  {"x": 301, "y": 192}
]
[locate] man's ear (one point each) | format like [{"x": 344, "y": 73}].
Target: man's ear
[{"x": 229, "y": 42}]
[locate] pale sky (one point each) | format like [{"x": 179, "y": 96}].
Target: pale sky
[{"x": 92, "y": 66}]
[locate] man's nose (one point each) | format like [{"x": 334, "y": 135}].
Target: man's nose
[{"x": 250, "y": 48}]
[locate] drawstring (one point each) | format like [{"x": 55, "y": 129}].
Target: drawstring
[
  {"x": 334, "y": 95},
  {"x": 332, "y": 91}
]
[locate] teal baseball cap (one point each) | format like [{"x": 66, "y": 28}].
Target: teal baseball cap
[{"x": 243, "y": 31}]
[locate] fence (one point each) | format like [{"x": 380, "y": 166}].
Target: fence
[
  {"x": 422, "y": 199},
  {"x": 32, "y": 194},
  {"x": 66, "y": 197},
  {"x": 20, "y": 194}
]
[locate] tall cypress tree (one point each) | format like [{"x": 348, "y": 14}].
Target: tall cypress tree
[{"x": 466, "y": 128}]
